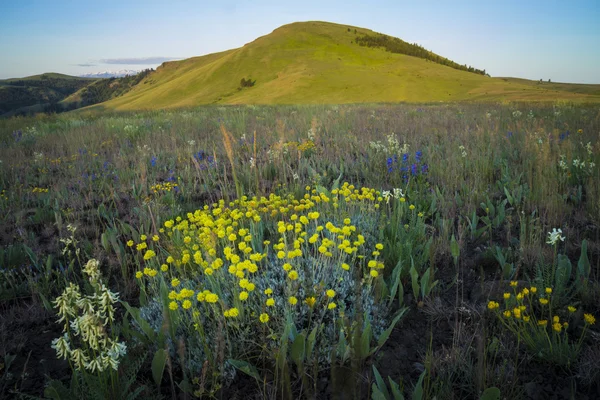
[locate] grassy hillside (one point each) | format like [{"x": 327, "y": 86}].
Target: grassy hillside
[
  {"x": 320, "y": 62},
  {"x": 18, "y": 94}
]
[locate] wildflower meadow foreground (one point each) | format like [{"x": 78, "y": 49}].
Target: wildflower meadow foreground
[{"x": 384, "y": 252}]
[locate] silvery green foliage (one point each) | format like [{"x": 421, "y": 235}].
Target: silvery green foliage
[{"x": 194, "y": 349}]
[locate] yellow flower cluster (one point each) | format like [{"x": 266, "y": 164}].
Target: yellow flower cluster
[
  {"x": 39, "y": 190},
  {"x": 523, "y": 316},
  {"x": 221, "y": 247},
  {"x": 305, "y": 146},
  {"x": 163, "y": 187}
]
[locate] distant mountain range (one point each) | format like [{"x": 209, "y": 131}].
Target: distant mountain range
[{"x": 111, "y": 74}]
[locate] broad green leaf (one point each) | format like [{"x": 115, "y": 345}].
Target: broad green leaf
[
  {"x": 396, "y": 392},
  {"x": 583, "y": 265},
  {"x": 104, "y": 240},
  {"x": 376, "y": 393},
  {"x": 415, "y": 281},
  {"x": 418, "y": 390},
  {"x": 158, "y": 365},
  {"x": 425, "y": 283},
  {"x": 310, "y": 342},
  {"x": 395, "y": 280},
  {"x": 144, "y": 325},
  {"x": 246, "y": 368},
  {"x": 563, "y": 271},
  {"x": 492, "y": 393},
  {"x": 454, "y": 248},
  {"x": 365, "y": 341},
  {"x": 380, "y": 383},
  {"x": 336, "y": 183},
  {"x": 298, "y": 349},
  {"x": 386, "y": 334}
]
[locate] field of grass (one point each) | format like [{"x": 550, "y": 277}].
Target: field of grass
[
  {"x": 372, "y": 251},
  {"x": 320, "y": 63}
]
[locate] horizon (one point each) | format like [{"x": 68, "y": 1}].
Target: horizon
[{"x": 538, "y": 40}]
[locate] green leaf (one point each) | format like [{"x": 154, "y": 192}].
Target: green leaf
[
  {"x": 336, "y": 183},
  {"x": 381, "y": 386},
  {"x": 415, "y": 281},
  {"x": 396, "y": 392},
  {"x": 425, "y": 283},
  {"x": 246, "y": 368},
  {"x": 400, "y": 294},
  {"x": 310, "y": 341},
  {"x": 386, "y": 334},
  {"x": 418, "y": 390},
  {"x": 341, "y": 348},
  {"x": 376, "y": 393},
  {"x": 104, "y": 241},
  {"x": 298, "y": 349},
  {"x": 508, "y": 196},
  {"x": 158, "y": 365},
  {"x": 563, "y": 272},
  {"x": 282, "y": 355},
  {"x": 144, "y": 325},
  {"x": 454, "y": 248},
  {"x": 492, "y": 393},
  {"x": 395, "y": 281},
  {"x": 583, "y": 265},
  {"x": 365, "y": 341}
]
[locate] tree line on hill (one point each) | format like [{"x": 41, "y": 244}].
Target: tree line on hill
[
  {"x": 64, "y": 86},
  {"x": 106, "y": 89},
  {"x": 47, "y": 94},
  {"x": 395, "y": 45}
]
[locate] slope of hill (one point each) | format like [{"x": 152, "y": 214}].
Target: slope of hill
[
  {"x": 45, "y": 89},
  {"x": 320, "y": 62},
  {"x": 103, "y": 90}
]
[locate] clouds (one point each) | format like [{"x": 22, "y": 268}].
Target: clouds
[
  {"x": 137, "y": 60},
  {"x": 85, "y": 65}
]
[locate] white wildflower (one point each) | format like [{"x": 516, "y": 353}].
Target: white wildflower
[
  {"x": 555, "y": 236},
  {"x": 386, "y": 194},
  {"x": 62, "y": 346}
]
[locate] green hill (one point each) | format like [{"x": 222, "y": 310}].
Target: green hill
[
  {"x": 320, "y": 62},
  {"x": 37, "y": 91}
]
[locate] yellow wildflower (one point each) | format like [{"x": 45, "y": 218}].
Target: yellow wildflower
[
  {"x": 589, "y": 319},
  {"x": 493, "y": 305}
]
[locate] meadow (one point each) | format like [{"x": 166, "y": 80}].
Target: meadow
[{"x": 447, "y": 251}]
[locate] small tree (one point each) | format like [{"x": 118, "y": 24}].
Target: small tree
[{"x": 247, "y": 82}]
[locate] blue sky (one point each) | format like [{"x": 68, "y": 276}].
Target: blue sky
[{"x": 558, "y": 40}]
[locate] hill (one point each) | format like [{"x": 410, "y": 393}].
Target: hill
[
  {"x": 37, "y": 91},
  {"x": 103, "y": 89},
  {"x": 320, "y": 62}
]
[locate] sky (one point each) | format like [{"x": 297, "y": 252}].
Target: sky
[{"x": 557, "y": 40}]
